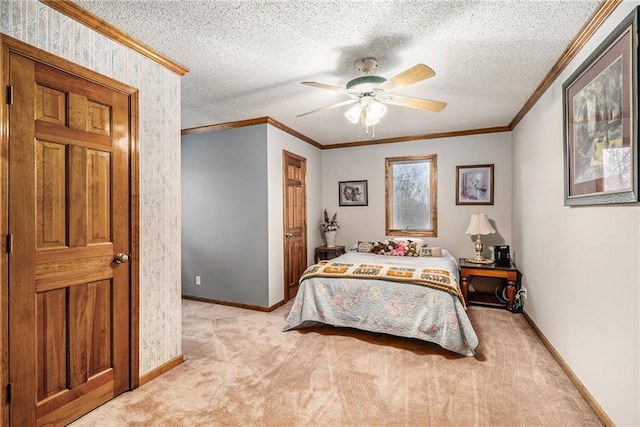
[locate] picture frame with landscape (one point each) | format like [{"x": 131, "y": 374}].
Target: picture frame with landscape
[
  {"x": 474, "y": 185},
  {"x": 601, "y": 123}
]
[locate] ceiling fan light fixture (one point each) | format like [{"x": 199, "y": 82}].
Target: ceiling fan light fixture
[
  {"x": 353, "y": 113},
  {"x": 373, "y": 112},
  {"x": 370, "y": 121},
  {"x": 370, "y": 93},
  {"x": 376, "y": 109}
]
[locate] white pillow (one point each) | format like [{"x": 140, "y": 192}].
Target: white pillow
[
  {"x": 365, "y": 247},
  {"x": 433, "y": 252}
]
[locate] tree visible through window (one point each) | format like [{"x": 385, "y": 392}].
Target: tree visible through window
[{"x": 411, "y": 195}]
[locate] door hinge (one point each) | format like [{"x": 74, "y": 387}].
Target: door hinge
[
  {"x": 10, "y": 95},
  {"x": 9, "y": 393},
  {"x": 9, "y": 243}
]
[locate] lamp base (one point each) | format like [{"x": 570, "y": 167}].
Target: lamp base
[{"x": 479, "y": 261}]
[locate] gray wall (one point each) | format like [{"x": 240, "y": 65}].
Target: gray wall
[{"x": 224, "y": 215}]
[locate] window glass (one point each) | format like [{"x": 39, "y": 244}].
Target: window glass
[{"x": 411, "y": 195}]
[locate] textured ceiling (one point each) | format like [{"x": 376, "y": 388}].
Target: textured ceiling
[{"x": 247, "y": 58}]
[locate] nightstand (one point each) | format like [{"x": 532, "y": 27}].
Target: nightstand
[
  {"x": 326, "y": 252},
  {"x": 468, "y": 270}
]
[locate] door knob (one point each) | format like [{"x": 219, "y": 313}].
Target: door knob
[
  {"x": 289, "y": 234},
  {"x": 121, "y": 258}
]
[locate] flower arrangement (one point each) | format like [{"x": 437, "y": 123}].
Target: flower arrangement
[{"x": 326, "y": 225}]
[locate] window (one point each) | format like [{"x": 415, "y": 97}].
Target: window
[{"x": 411, "y": 187}]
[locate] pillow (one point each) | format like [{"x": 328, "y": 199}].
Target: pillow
[
  {"x": 434, "y": 252},
  {"x": 365, "y": 247}
]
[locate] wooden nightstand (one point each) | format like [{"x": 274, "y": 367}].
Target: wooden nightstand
[
  {"x": 326, "y": 252},
  {"x": 468, "y": 270}
]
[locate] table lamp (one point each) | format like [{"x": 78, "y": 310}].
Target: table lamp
[{"x": 479, "y": 225}]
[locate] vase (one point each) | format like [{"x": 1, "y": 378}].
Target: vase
[{"x": 330, "y": 237}]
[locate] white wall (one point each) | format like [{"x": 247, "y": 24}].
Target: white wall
[
  {"x": 277, "y": 140},
  {"x": 580, "y": 264},
  {"x": 367, "y": 223}
]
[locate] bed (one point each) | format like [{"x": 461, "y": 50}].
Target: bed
[{"x": 408, "y": 296}]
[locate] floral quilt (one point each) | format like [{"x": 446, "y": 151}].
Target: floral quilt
[{"x": 414, "y": 297}]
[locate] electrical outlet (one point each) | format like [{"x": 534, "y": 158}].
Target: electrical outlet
[{"x": 198, "y": 282}]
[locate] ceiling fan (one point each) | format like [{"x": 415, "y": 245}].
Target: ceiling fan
[{"x": 370, "y": 93}]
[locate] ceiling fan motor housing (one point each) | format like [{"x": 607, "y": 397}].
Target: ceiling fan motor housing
[{"x": 365, "y": 83}]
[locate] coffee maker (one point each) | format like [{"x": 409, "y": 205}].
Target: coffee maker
[{"x": 501, "y": 256}]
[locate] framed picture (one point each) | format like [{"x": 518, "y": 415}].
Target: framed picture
[
  {"x": 474, "y": 185},
  {"x": 353, "y": 193},
  {"x": 601, "y": 123}
]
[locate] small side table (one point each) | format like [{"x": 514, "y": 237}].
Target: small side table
[
  {"x": 326, "y": 252},
  {"x": 469, "y": 270}
]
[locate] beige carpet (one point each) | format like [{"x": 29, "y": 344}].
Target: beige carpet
[{"x": 241, "y": 370}]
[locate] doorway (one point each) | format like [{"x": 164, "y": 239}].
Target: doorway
[
  {"x": 295, "y": 221},
  {"x": 70, "y": 271}
]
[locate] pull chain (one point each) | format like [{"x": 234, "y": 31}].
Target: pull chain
[{"x": 373, "y": 131}]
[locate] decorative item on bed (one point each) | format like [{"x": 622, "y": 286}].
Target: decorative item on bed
[{"x": 408, "y": 296}]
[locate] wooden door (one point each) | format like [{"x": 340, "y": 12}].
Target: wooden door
[
  {"x": 69, "y": 189},
  {"x": 295, "y": 224}
]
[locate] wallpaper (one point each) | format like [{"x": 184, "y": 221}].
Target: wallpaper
[{"x": 40, "y": 26}]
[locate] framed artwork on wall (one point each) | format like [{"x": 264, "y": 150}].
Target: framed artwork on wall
[
  {"x": 353, "y": 193},
  {"x": 601, "y": 123},
  {"x": 474, "y": 185}
]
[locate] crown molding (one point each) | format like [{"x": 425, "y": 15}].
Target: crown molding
[
  {"x": 438, "y": 135},
  {"x": 83, "y": 16},
  {"x": 252, "y": 122},
  {"x": 586, "y": 32},
  {"x": 277, "y": 124},
  {"x": 224, "y": 126}
]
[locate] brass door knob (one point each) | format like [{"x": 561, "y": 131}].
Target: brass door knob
[{"x": 121, "y": 258}]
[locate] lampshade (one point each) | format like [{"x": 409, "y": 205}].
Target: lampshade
[
  {"x": 479, "y": 225},
  {"x": 373, "y": 111},
  {"x": 353, "y": 113}
]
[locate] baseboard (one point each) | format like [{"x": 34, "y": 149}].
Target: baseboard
[
  {"x": 574, "y": 379},
  {"x": 165, "y": 367},
  {"x": 236, "y": 304}
]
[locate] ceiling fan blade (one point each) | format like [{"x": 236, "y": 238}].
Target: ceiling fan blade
[
  {"x": 412, "y": 75},
  {"x": 325, "y": 86},
  {"x": 418, "y": 103},
  {"x": 329, "y": 107}
]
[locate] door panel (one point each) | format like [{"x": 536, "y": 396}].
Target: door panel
[
  {"x": 51, "y": 163},
  {"x": 295, "y": 227},
  {"x": 69, "y": 305}
]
